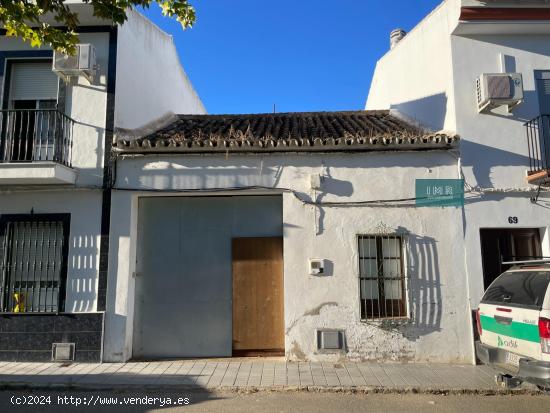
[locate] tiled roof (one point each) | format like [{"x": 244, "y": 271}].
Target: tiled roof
[{"x": 274, "y": 132}]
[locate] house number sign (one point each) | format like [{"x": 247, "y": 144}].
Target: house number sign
[{"x": 513, "y": 220}]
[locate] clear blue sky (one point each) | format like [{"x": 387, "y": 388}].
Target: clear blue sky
[{"x": 243, "y": 56}]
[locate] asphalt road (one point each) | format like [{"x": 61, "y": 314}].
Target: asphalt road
[{"x": 18, "y": 401}]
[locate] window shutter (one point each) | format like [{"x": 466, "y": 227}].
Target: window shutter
[
  {"x": 33, "y": 81},
  {"x": 543, "y": 88}
]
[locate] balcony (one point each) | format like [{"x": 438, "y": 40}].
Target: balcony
[
  {"x": 36, "y": 147},
  {"x": 538, "y": 143}
]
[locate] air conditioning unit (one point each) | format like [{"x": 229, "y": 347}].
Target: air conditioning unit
[
  {"x": 499, "y": 89},
  {"x": 83, "y": 63}
]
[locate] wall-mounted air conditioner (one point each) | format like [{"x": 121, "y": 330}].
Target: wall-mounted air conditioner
[
  {"x": 499, "y": 89},
  {"x": 83, "y": 63}
]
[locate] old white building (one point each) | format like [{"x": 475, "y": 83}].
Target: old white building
[
  {"x": 56, "y": 171},
  {"x": 430, "y": 76},
  {"x": 287, "y": 233}
]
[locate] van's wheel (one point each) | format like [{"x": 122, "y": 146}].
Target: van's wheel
[{"x": 544, "y": 389}]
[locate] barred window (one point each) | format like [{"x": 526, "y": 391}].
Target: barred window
[
  {"x": 33, "y": 262},
  {"x": 381, "y": 277}
]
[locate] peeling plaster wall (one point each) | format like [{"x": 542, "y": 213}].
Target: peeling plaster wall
[{"x": 436, "y": 284}]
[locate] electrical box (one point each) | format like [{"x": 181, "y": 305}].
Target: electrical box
[
  {"x": 315, "y": 181},
  {"x": 316, "y": 266},
  {"x": 499, "y": 89},
  {"x": 83, "y": 63}
]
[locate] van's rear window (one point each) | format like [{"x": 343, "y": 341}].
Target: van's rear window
[{"x": 524, "y": 289}]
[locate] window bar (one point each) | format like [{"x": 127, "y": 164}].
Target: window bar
[
  {"x": 50, "y": 267},
  {"x": 11, "y": 115},
  {"x": 538, "y": 147},
  {"x": 529, "y": 145},
  {"x": 390, "y": 271},
  {"x": 65, "y": 131},
  {"x": 27, "y": 137},
  {"x": 381, "y": 276},
  {"x": 531, "y": 127},
  {"x": 54, "y": 266},
  {"x": 404, "y": 245},
  {"x": 19, "y": 133},
  {"x": 57, "y": 155},
  {"x": 47, "y": 136},
  {"x": 15, "y": 269},
  {"x": 38, "y": 134},
  {"x": 370, "y": 279},
  {"x": 41, "y": 272},
  {"x": 27, "y": 234},
  {"x": 34, "y": 250},
  {"x": 70, "y": 160},
  {"x": 546, "y": 130},
  {"x": 374, "y": 281},
  {"x": 4, "y": 274}
]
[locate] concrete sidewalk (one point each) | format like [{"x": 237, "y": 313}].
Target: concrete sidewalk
[{"x": 252, "y": 374}]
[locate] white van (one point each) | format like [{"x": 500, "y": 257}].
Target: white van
[{"x": 513, "y": 322}]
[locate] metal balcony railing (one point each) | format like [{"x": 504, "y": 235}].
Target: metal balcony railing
[
  {"x": 33, "y": 135},
  {"x": 538, "y": 143}
]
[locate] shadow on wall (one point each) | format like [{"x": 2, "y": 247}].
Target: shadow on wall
[
  {"x": 429, "y": 111},
  {"x": 482, "y": 159},
  {"x": 331, "y": 186},
  {"x": 424, "y": 285},
  {"x": 82, "y": 273}
]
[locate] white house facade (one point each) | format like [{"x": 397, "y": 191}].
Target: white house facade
[
  {"x": 294, "y": 234},
  {"x": 430, "y": 76},
  {"x": 55, "y": 177}
]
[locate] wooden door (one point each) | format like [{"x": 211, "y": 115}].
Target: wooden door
[{"x": 258, "y": 315}]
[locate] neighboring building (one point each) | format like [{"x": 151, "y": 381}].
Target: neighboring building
[
  {"x": 56, "y": 172},
  {"x": 286, "y": 233},
  {"x": 430, "y": 76}
]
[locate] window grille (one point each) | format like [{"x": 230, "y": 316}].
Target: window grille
[
  {"x": 33, "y": 262},
  {"x": 381, "y": 275}
]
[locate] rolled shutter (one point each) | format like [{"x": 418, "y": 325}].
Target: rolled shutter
[{"x": 33, "y": 81}]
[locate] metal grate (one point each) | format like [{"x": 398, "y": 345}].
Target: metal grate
[
  {"x": 33, "y": 262},
  {"x": 35, "y": 135},
  {"x": 538, "y": 143},
  {"x": 381, "y": 275},
  {"x": 500, "y": 87}
]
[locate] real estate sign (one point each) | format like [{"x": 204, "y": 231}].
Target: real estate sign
[{"x": 439, "y": 192}]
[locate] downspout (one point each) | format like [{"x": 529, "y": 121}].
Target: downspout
[{"x": 107, "y": 177}]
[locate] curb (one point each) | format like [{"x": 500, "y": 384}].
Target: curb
[{"x": 269, "y": 389}]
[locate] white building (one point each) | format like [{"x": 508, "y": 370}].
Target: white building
[
  {"x": 287, "y": 233},
  {"x": 55, "y": 173},
  {"x": 430, "y": 76}
]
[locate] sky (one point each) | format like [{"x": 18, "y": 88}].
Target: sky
[{"x": 244, "y": 56}]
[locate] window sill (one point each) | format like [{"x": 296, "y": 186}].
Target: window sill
[{"x": 381, "y": 322}]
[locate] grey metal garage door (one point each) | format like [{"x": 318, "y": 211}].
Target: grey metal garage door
[{"x": 183, "y": 294}]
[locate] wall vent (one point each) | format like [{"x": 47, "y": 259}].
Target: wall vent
[
  {"x": 63, "y": 352},
  {"x": 330, "y": 340}
]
